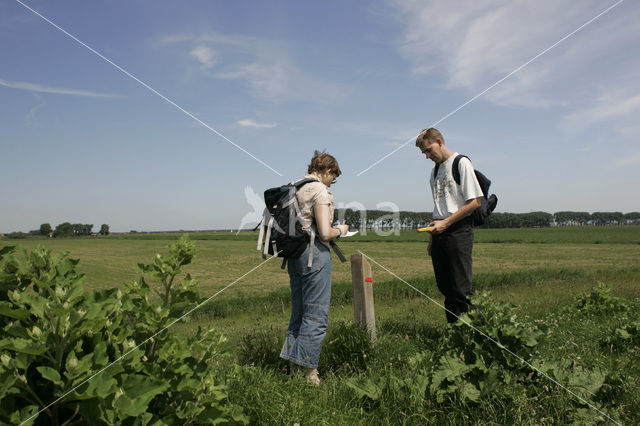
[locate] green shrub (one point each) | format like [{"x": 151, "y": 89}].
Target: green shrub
[
  {"x": 601, "y": 302},
  {"x": 58, "y": 340},
  {"x": 465, "y": 364},
  {"x": 475, "y": 361},
  {"x": 623, "y": 338}
]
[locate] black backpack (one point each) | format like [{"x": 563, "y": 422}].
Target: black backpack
[
  {"x": 488, "y": 202},
  {"x": 281, "y": 228}
]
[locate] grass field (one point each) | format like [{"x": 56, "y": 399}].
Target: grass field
[{"x": 541, "y": 271}]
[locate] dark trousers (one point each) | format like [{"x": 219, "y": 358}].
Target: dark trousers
[{"x": 451, "y": 258}]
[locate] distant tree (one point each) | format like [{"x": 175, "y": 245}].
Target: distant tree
[
  {"x": 45, "y": 229},
  {"x": 535, "y": 219},
  {"x": 632, "y": 218},
  {"x": 16, "y": 235},
  {"x": 607, "y": 218},
  {"x": 572, "y": 218},
  {"x": 104, "y": 229},
  {"x": 63, "y": 230},
  {"x": 80, "y": 229},
  {"x": 502, "y": 220}
]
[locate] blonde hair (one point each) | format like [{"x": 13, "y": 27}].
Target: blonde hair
[{"x": 429, "y": 134}]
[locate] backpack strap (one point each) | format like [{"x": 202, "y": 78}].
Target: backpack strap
[
  {"x": 435, "y": 170},
  {"x": 267, "y": 238},
  {"x": 312, "y": 240},
  {"x": 299, "y": 184},
  {"x": 262, "y": 225},
  {"x": 337, "y": 251},
  {"x": 312, "y": 243},
  {"x": 456, "y": 167}
]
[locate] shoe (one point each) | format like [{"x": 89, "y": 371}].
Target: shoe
[{"x": 312, "y": 376}]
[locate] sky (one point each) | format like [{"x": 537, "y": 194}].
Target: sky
[{"x": 157, "y": 115}]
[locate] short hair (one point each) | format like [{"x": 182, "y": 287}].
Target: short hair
[
  {"x": 322, "y": 161},
  {"x": 429, "y": 134}
]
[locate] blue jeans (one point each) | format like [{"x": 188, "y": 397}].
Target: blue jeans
[{"x": 310, "y": 297}]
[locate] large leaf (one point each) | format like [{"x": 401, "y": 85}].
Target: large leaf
[
  {"x": 51, "y": 375},
  {"x": 365, "y": 387},
  {"x": 138, "y": 391},
  {"x": 591, "y": 381},
  {"x": 7, "y": 311},
  {"x": 7, "y": 379},
  {"x": 37, "y": 303},
  {"x": 23, "y": 346},
  {"x": 20, "y": 417},
  {"x": 469, "y": 392},
  {"x": 100, "y": 355},
  {"x": 101, "y": 386}
]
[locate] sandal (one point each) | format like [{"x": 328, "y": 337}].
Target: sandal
[{"x": 312, "y": 376}]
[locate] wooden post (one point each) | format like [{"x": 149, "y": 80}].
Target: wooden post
[{"x": 363, "y": 294}]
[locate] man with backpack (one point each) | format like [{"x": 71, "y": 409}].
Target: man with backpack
[{"x": 451, "y": 233}]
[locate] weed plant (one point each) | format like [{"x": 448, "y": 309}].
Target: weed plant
[
  {"x": 421, "y": 374},
  {"x": 70, "y": 356}
]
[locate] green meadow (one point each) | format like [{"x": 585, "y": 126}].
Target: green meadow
[{"x": 580, "y": 285}]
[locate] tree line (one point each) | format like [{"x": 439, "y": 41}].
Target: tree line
[
  {"x": 65, "y": 229},
  {"x": 381, "y": 219}
]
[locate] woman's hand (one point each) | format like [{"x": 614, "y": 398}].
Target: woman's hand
[{"x": 343, "y": 228}]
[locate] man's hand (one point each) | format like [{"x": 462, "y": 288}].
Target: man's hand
[{"x": 438, "y": 227}]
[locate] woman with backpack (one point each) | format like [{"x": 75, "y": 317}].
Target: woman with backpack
[{"x": 310, "y": 276}]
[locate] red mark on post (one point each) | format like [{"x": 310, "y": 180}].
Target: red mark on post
[{"x": 369, "y": 279}]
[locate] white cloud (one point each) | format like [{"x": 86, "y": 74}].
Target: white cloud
[
  {"x": 247, "y": 122},
  {"x": 34, "y": 87},
  {"x": 470, "y": 45},
  {"x": 607, "y": 106},
  {"x": 205, "y": 55},
  {"x": 267, "y": 67}
]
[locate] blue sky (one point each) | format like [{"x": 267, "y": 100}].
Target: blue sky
[{"x": 83, "y": 142}]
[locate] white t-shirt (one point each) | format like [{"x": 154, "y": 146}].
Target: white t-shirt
[{"x": 448, "y": 196}]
